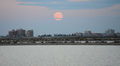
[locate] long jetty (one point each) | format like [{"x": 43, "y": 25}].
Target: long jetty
[{"x": 59, "y": 41}]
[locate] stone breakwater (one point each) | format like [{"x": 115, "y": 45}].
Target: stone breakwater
[
  {"x": 118, "y": 44},
  {"x": 60, "y": 41}
]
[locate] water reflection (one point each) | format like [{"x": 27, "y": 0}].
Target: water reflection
[{"x": 60, "y": 55}]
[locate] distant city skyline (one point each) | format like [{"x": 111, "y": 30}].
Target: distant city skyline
[
  {"x": 30, "y": 33},
  {"x": 72, "y": 16},
  {"x": 20, "y": 33}
]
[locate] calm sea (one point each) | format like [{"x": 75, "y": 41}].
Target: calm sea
[{"x": 60, "y": 55}]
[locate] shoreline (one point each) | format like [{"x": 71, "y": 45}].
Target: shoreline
[{"x": 105, "y": 44}]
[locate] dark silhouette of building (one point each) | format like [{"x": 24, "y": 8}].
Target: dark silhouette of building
[
  {"x": 30, "y": 33},
  {"x": 20, "y": 33},
  {"x": 12, "y": 33},
  {"x": 110, "y": 33},
  {"x": 87, "y": 34}
]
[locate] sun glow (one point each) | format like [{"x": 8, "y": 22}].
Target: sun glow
[{"x": 58, "y": 16}]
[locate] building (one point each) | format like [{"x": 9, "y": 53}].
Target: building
[
  {"x": 20, "y": 33},
  {"x": 118, "y": 35},
  {"x": 12, "y": 33},
  {"x": 97, "y": 35},
  {"x": 30, "y": 33},
  {"x": 87, "y": 34},
  {"x": 110, "y": 33},
  {"x": 78, "y": 34}
]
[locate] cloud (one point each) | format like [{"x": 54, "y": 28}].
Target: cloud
[
  {"x": 11, "y": 12},
  {"x": 84, "y": 13},
  {"x": 78, "y": 0},
  {"x": 21, "y": 2},
  {"x": 54, "y": 2},
  {"x": 69, "y": 4}
]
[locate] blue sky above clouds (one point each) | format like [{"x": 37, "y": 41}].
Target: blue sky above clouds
[
  {"x": 70, "y": 4},
  {"x": 78, "y": 15}
]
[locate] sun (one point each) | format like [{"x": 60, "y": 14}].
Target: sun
[{"x": 58, "y": 16}]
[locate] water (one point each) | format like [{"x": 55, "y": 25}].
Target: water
[{"x": 60, "y": 55}]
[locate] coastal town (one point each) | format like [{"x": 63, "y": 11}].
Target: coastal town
[{"x": 26, "y": 37}]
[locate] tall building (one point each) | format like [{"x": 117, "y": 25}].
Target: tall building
[
  {"x": 12, "y": 33},
  {"x": 20, "y": 33},
  {"x": 30, "y": 33},
  {"x": 110, "y": 33},
  {"x": 87, "y": 34}
]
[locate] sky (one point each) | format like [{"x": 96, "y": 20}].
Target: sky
[{"x": 77, "y": 16}]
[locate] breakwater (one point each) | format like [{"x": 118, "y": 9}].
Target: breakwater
[{"x": 60, "y": 41}]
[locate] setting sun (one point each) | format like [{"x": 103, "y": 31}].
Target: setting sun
[{"x": 58, "y": 16}]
